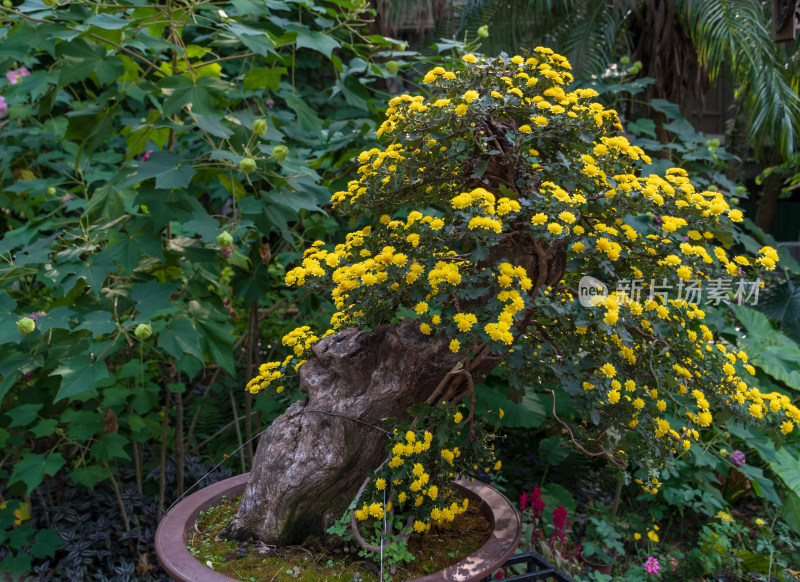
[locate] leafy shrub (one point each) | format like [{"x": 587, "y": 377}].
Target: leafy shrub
[{"x": 160, "y": 163}]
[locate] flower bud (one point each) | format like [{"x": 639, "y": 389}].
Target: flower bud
[
  {"x": 483, "y": 31},
  {"x": 25, "y": 325},
  {"x": 224, "y": 239},
  {"x": 260, "y": 126},
  {"x": 247, "y": 165},
  {"x": 392, "y": 67},
  {"x": 280, "y": 152},
  {"x": 143, "y": 331}
]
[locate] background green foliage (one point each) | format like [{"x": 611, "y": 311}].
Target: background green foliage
[{"x": 119, "y": 167}]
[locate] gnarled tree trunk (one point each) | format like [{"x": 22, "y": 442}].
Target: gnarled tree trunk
[{"x": 311, "y": 463}]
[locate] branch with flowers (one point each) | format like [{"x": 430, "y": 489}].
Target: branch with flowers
[{"x": 489, "y": 204}]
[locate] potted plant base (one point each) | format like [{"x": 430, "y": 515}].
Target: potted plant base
[
  {"x": 182, "y": 566},
  {"x": 597, "y": 564}
]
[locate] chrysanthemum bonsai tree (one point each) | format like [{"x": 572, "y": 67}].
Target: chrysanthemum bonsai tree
[{"x": 487, "y": 207}]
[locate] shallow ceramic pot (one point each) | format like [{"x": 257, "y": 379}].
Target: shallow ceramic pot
[
  {"x": 597, "y": 566},
  {"x": 173, "y": 533}
]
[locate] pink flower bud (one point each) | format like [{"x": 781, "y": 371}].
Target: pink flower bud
[
  {"x": 15, "y": 76},
  {"x": 738, "y": 459}
]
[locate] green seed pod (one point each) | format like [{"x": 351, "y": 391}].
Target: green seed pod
[
  {"x": 625, "y": 60},
  {"x": 392, "y": 67},
  {"x": 224, "y": 239},
  {"x": 51, "y": 191},
  {"x": 247, "y": 165},
  {"x": 8, "y": 3},
  {"x": 26, "y": 325},
  {"x": 483, "y": 31},
  {"x": 143, "y": 331},
  {"x": 260, "y": 126},
  {"x": 280, "y": 152}
]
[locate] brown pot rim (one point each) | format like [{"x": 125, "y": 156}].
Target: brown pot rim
[
  {"x": 173, "y": 533},
  {"x": 590, "y": 561}
]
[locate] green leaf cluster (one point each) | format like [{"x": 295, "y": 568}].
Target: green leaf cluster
[{"x": 120, "y": 167}]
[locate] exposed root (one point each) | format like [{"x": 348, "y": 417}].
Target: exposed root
[
  {"x": 359, "y": 538},
  {"x": 443, "y": 385}
]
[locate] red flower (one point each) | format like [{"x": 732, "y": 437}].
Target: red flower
[
  {"x": 559, "y": 517},
  {"x": 523, "y": 501},
  {"x": 566, "y": 529},
  {"x": 537, "y": 503}
]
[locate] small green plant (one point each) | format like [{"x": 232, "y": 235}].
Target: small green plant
[
  {"x": 729, "y": 545},
  {"x": 602, "y": 542},
  {"x": 717, "y": 546}
]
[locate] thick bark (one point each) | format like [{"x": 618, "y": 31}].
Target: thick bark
[{"x": 310, "y": 465}]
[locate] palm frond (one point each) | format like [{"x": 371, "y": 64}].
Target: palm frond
[
  {"x": 594, "y": 36},
  {"x": 720, "y": 29},
  {"x": 590, "y": 33},
  {"x": 733, "y": 35},
  {"x": 775, "y": 110},
  {"x": 513, "y": 24}
]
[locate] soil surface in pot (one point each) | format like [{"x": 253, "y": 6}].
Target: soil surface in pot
[{"x": 433, "y": 551}]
